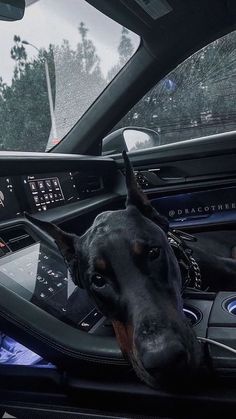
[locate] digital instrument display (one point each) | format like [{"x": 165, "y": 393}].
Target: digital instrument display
[
  {"x": 9, "y": 206},
  {"x": 50, "y": 191}
]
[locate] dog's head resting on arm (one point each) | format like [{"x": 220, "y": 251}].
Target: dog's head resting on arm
[{"x": 128, "y": 267}]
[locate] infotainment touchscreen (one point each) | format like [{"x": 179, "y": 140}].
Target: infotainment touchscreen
[
  {"x": 50, "y": 191},
  {"x": 40, "y": 276},
  {"x": 25, "y": 273},
  {"x": 9, "y": 206}
]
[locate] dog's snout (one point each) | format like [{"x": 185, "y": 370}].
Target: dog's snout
[{"x": 172, "y": 356}]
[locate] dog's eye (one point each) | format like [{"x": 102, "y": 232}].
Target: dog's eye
[
  {"x": 154, "y": 253},
  {"x": 98, "y": 280}
]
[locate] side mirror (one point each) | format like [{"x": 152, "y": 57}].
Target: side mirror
[
  {"x": 129, "y": 139},
  {"x": 11, "y": 10}
]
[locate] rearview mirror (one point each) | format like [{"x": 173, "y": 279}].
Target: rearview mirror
[
  {"x": 11, "y": 10},
  {"x": 130, "y": 139}
]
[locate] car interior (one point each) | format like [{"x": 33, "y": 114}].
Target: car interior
[{"x": 69, "y": 363}]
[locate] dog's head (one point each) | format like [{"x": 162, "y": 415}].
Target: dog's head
[{"x": 128, "y": 267}]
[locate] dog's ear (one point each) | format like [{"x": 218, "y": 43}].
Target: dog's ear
[
  {"x": 68, "y": 244},
  {"x": 136, "y": 197}
]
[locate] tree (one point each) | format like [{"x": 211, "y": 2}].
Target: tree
[
  {"x": 25, "y": 112},
  {"x": 76, "y": 80},
  {"x": 79, "y": 80},
  {"x": 125, "y": 47},
  {"x": 125, "y": 51},
  {"x": 18, "y": 53}
]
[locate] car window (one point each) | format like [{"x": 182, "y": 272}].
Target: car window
[
  {"x": 196, "y": 99},
  {"x": 55, "y": 62}
]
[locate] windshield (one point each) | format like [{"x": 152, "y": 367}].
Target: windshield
[{"x": 55, "y": 62}]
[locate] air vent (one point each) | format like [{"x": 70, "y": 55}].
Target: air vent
[
  {"x": 93, "y": 183},
  {"x": 16, "y": 238},
  {"x": 89, "y": 185}
]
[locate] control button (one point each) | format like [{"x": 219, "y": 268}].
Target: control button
[
  {"x": 59, "y": 284},
  {"x": 51, "y": 289},
  {"x": 36, "y": 199},
  {"x": 93, "y": 317},
  {"x": 90, "y": 320},
  {"x": 42, "y": 295},
  {"x": 44, "y": 207},
  {"x": 41, "y": 185},
  {"x": 55, "y": 183},
  {"x": 46, "y": 197},
  {"x": 48, "y": 183},
  {"x": 33, "y": 186},
  {"x": 51, "y": 197}
]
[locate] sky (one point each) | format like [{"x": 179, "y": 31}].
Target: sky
[{"x": 51, "y": 21}]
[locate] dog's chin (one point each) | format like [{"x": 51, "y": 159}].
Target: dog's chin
[
  {"x": 168, "y": 379},
  {"x": 140, "y": 371}
]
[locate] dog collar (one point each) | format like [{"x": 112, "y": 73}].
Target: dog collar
[{"x": 190, "y": 270}]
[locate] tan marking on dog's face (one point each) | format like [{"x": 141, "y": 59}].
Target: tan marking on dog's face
[
  {"x": 100, "y": 264},
  {"x": 124, "y": 335},
  {"x": 137, "y": 248}
]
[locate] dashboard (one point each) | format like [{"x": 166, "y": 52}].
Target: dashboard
[
  {"x": 35, "y": 285},
  {"x": 33, "y": 270}
]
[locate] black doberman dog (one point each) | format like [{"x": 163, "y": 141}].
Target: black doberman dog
[{"x": 128, "y": 267}]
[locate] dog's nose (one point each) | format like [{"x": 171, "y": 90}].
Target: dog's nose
[{"x": 172, "y": 357}]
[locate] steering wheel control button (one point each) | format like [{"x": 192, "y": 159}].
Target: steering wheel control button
[{"x": 90, "y": 320}]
